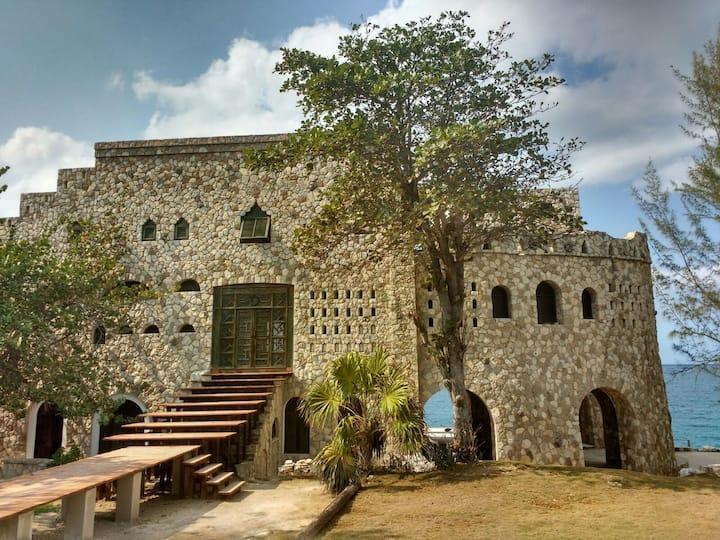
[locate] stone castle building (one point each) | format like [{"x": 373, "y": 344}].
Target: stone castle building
[{"x": 562, "y": 361}]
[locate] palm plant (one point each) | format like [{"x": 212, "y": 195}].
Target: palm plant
[{"x": 369, "y": 402}]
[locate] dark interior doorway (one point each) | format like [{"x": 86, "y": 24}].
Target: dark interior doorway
[
  {"x": 482, "y": 427},
  {"x": 48, "y": 430},
  {"x": 599, "y": 431},
  {"x": 297, "y": 432},
  {"x": 128, "y": 411}
]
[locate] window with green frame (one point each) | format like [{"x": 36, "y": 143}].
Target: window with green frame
[
  {"x": 149, "y": 230},
  {"x": 255, "y": 225},
  {"x": 182, "y": 229}
]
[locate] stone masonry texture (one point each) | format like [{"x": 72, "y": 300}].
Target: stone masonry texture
[{"x": 531, "y": 377}]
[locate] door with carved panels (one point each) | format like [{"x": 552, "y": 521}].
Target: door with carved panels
[{"x": 252, "y": 326}]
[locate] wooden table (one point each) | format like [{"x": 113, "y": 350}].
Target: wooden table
[
  {"x": 76, "y": 484},
  {"x": 216, "y": 437}
]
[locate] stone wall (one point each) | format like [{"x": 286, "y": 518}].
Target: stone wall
[{"x": 532, "y": 377}]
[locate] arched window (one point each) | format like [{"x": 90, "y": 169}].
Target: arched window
[
  {"x": 182, "y": 229},
  {"x": 546, "y": 303},
  {"x": 125, "y": 329},
  {"x": 255, "y": 225},
  {"x": 149, "y": 231},
  {"x": 584, "y": 247},
  {"x": 99, "y": 335},
  {"x": 500, "y": 303},
  {"x": 151, "y": 329},
  {"x": 187, "y": 329},
  {"x": 297, "y": 432},
  {"x": 189, "y": 285},
  {"x": 588, "y": 304}
]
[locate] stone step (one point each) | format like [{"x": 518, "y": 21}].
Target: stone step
[
  {"x": 231, "y": 489},
  {"x": 271, "y": 374}
]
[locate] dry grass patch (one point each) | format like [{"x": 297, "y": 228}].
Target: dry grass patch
[{"x": 502, "y": 500}]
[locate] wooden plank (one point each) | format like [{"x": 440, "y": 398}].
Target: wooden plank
[
  {"x": 170, "y": 437},
  {"x": 194, "y": 414},
  {"x": 23, "y": 493},
  {"x": 206, "y": 404},
  {"x": 225, "y": 396},
  {"x": 186, "y": 425}
]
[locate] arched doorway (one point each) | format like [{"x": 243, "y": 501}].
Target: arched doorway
[
  {"x": 599, "y": 430},
  {"x": 48, "y": 430},
  {"x": 297, "y": 432},
  {"x": 127, "y": 411},
  {"x": 482, "y": 427}
]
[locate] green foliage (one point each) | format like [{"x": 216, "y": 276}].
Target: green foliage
[
  {"x": 368, "y": 402},
  {"x": 441, "y": 454},
  {"x": 686, "y": 242},
  {"x": 437, "y": 145},
  {"x": 53, "y": 291},
  {"x": 61, "y": 456}
]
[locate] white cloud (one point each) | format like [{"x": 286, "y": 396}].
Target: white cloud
[
  {"x": 627, "y": 115},
  {"x": 34, "y": 155},
  {"x": 116, "y": 81}
]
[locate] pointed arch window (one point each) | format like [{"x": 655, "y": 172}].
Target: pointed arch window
[
  {"x": 255, "y": 225},
  {"x": 149, "y": 231},
  {"x": 182, "y": 229}
]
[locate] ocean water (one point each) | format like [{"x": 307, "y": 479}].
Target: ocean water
[{"x": 694, "y": 399}]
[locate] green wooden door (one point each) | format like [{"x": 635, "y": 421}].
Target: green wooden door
[{"x": 252, "y": 326}]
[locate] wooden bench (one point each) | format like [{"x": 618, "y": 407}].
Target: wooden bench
[{"x": 76, "y": 483}]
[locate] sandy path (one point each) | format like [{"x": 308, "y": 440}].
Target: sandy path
[{"x": 263, "y": 510}]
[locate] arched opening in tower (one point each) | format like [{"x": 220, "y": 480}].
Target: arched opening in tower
[
  {"x": 482, "y": 427},
  {"x": 599, "y": 430}
]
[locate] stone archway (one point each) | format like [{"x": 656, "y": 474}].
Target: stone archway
[
  {"x": 599, "y": 423},
  {"x": 49, "y": 425},
  {"x": 296, "y": 439},
  {"x": 482, "y": 427},
  {"x": 126, "y": 411}
]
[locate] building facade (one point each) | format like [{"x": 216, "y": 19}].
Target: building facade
[{"x": 562, "y": 351}]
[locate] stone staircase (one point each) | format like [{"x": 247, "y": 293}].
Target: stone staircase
[{"x": 223, "y": 413}]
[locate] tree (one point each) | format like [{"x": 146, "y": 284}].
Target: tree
[
  {"x": 438, "y": 147},
  {"x": 685, "y": 239},
  {"x": 368, "y": 402},
  {"x": 52, "y": 294}
]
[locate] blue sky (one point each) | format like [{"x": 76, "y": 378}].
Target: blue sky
[{"x": 75, "y": 72}]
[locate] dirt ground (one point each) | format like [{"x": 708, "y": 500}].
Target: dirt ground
[
  {"x": 273, "y": 510},
  {"x": 496, "y": 500}
]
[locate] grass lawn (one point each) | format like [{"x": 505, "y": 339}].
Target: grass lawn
[{"x": 508, "y": 500}]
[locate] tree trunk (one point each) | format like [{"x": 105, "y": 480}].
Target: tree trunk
[{"x": 447, "y": 270}]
